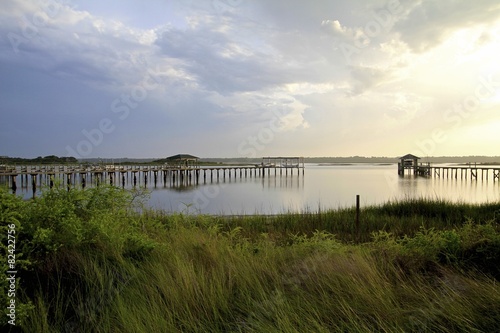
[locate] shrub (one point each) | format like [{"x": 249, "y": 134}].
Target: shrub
[{"x": 12, "y": 213}]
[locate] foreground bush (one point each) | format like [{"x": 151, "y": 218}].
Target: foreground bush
[{"x": 89, "y": 262}]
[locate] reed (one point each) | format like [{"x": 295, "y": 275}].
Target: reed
[{"x": 92, "y": 263}]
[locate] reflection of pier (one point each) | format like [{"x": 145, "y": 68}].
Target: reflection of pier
[
  {"x": 169, "y": 175},
  {"x": 471, "y": 170}
]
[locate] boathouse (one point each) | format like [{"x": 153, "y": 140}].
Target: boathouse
[
  {"x": 408, "y": 161},
  {"x": 183, "y": 161}
]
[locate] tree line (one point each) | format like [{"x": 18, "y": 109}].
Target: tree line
[{"x": 50, "y": 159}]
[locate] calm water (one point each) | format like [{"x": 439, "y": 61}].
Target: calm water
[{"x": 325, "y": 186}]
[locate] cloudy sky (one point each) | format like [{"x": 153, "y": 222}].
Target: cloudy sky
[{"x": 246, "y": 78}]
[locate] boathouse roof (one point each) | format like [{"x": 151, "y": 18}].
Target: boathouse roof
[
  {"x": 409, "y": 157},
  {"x": 182, "y": 157}
]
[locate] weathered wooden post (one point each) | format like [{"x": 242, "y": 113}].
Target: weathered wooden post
[
  {"x": 357, "y": 219},
  {"x": 33, "y": 183},
  {"x": 33, "y": 187},
  {"x": 14, "y": 185}
]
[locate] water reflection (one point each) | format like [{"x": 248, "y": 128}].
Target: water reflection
[
  {"x": 325, "y": 186},
  {"x": 456, "y": 189}
]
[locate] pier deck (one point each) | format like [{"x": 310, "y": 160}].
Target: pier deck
[
  {"x": 173, "y": 175},
  {"x": 409, "y": 163},
  {"x": 462, "y": 172}
]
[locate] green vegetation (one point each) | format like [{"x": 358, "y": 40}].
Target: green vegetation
[
  {"x": 52, "y": 159},
  {"x": 95, "y": 260}
]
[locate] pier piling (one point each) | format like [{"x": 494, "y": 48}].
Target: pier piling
[{"x": 172, "y": 175}]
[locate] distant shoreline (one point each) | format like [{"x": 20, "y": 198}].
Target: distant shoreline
[
  {"x": 480, "y": 164},
  {"x": 353, "y": 163},
  {"x": 348, "y": 160}
]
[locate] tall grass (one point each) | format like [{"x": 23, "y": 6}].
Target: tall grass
[
  {"x": 401, "y": 218},
  {"x": 90, "y": 263}
]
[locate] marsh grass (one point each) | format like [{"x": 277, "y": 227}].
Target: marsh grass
[{"x": 89, "y": 262}]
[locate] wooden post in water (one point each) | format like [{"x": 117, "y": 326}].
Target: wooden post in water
[
  {"x": 357, "y": 218},
  {"x": 14, "y": 185},
  {"x": 33, "y": 183},
  {"x": 83, "y": 180}
]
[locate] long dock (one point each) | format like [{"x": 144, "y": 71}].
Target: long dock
[
  {"x": 471, "y": 171},
  {"x": 72, "y": 175}
]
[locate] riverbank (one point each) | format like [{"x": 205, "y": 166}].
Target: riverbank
[{"x": 87, "y": 262}]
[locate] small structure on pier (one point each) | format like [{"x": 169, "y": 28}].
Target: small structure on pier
[
  {"x": 287, "y": 163},
  {"x": 283, "y": 162},
  {"x": 408, "y": 161},
  {"x": 183, "y": 161}
]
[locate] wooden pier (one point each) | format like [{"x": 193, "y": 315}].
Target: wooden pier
[
  {"x": 460, "y": 172},
  {"x": 174, "y": 176},
  {"x": 410, "y": 163}
]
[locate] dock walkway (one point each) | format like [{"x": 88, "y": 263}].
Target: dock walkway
[
  {"x": 471, "y": 171},
  {"x": 173, "y": 175}
]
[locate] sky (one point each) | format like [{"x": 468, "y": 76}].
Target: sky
[{"x": 249, "y": 78}]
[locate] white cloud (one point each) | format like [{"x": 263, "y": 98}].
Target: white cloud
[
  {"x": 429, "y": 23},
  {"x": 342, "y": 32},
  {"x": 365, "y": 78}
]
